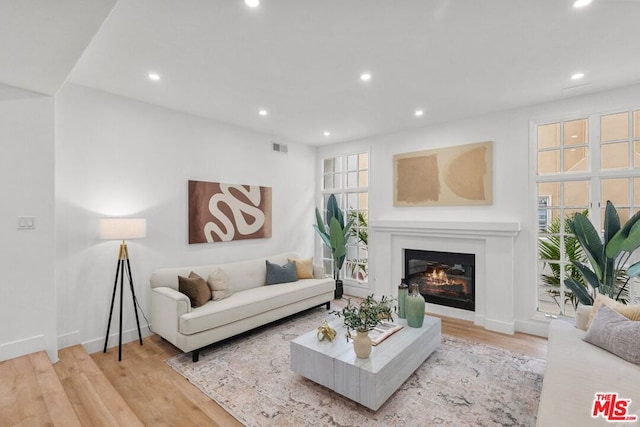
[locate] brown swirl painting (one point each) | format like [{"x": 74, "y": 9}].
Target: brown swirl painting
[
  {"x": 223, "y": 212},
  {"x": 460, "y": 175}
]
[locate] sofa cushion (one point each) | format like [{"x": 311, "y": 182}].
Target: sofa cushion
[
  {"x": 241, "y": 275},
  {"x": 219, "y": 284},
  {"x": 250, "y": 302},
  {"x": 304, "y": 267},
  {"x": 194, "y": 287},
  {"x": 583, "y": 312},
  {"x": 575, "y": 372},
  {"x": 629, "y": 311},
  {"x": 280, "y": 273},
  {"x": 615, "y": 333}
]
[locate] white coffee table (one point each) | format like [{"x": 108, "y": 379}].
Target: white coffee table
[{"x": 371, "y": 381}]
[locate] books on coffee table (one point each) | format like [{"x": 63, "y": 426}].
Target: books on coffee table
[{"x": 383, "y": 331}]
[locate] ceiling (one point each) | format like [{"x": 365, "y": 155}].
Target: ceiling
[{"x": 301, "y": 60}]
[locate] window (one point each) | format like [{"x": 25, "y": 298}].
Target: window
[
  {"x": 348, "y": 178},
  {"x": 581, "y": 163}
]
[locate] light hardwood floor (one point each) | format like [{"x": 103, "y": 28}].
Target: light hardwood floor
[
  {"x": 142, "y": 389},
  {"x": 143, "y": 379}
]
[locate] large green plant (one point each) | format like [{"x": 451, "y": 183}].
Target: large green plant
[
  {"x": 335, "y": 234},
  {"x": 549, "y": 249},
  {"x": 607, "y": 257}
]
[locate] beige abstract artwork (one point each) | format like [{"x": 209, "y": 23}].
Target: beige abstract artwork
[{"x": 460, "y": 175}]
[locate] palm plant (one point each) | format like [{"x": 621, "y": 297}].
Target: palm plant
[
  {"x": 549, "y": 250},
  {"x": 605, "y": 271},
  {"x": 360, "y": 232}
]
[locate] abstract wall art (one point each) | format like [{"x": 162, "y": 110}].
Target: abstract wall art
[
  {"x": 223, "y": 212},
  {"x": 460, "y": 175}
]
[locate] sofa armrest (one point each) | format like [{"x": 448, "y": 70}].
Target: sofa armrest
[
  {"x": 167, "y": 305},
  {"x": 318, "y": 271}
]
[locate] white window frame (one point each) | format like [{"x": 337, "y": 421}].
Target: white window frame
[
  {"x": 594, "y": 175},
  {"x": 341, "y": 196}
]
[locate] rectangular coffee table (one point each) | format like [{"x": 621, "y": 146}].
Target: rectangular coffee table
[{"x": 371, "y": 381}]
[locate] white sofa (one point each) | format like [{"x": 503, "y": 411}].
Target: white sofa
[
  {"x": 252, "y": 304},
  {"x": 575, "y": 372}
]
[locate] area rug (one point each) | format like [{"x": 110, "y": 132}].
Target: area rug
[{"x": 461, "y": 384}]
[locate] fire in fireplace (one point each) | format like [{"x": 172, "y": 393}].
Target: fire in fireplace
[{"x": 444, "y": 278}]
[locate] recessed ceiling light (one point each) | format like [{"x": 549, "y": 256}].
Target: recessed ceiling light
[
  {"x": 574, "y": 136},
  {"x": 419, "y": 113},
  {"x": 263, "y": 112},
  {"x": 154, "y": 76},
  {"x": 577, "y": 76},
  {"x": 581, "y": 3},
  {"x": 252, "y": 3},
  {"x": 365, "y": 77},
  {"x": 327, "y": 133}
]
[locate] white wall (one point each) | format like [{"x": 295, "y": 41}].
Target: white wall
[
  {"x": 514, "y": 190},
  {"x": 27, "y": 287},
  {"x": 116, "y": 156}
]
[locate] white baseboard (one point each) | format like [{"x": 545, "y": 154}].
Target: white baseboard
[
  {"x": 68, "y": 340},
  {"x": 356, "y": 291},
  {"x": 533, "y": 327},
  {"x": 97, "y": 344},
  {"x": 22, "y": 347},
  {"x": 508, "y": 328}
]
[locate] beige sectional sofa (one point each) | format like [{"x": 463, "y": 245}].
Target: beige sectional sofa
[
  {"x": 575, "y": 372},
  {"x": 251, "y": 304}
]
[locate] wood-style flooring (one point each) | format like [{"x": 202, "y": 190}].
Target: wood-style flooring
[{"x": 97, "y": 390}]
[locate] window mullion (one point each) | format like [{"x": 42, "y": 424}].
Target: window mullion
[{"x": 595, "y": 151}]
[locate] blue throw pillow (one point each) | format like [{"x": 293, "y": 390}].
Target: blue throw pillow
[{"x": 281, "y": 273}]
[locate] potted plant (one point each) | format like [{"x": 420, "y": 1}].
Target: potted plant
[
  {"x": 362, "y": 319},
  {"x": 334, "y": 236},
  {"x": 605, "y": 272}
]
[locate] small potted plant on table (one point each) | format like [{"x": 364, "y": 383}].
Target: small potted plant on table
[{"x": 362, "y": 319}]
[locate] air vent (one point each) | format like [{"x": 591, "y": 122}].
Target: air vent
[{"x": 280, "y": 148}]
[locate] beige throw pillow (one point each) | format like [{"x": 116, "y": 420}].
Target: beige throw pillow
[
  {"x": 195, "y": 287},
  {"x": 631, "y": 312},
  {"x": 304, "y": 267},
  {"x": 219, "y": 284}
]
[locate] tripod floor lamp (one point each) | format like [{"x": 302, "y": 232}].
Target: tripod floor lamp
[{"x": 122, "y": 229}]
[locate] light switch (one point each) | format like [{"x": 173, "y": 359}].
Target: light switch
[{"x": 26, "y": 223}]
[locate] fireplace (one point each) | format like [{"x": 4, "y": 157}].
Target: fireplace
[{"x": 444, "y": 278}]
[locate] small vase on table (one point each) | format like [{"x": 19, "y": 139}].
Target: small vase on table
[
  {"x": 362, "y": 344},
  {"x": 414, "y": 307},
  {"x": 403, "y": 291}
]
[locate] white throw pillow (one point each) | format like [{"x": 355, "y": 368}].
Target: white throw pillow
[{"x": 219, "y": 284}]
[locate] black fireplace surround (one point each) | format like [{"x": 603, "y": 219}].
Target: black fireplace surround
[{"x": 444, "y": 278}]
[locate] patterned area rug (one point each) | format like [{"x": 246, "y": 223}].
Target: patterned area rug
[{"x": 461, "y": 384}]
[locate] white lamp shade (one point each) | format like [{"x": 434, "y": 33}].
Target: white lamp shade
[{"x": 123, "y": 228}]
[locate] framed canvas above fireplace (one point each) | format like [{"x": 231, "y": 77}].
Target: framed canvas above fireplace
[{"x": 460, "y": 175}]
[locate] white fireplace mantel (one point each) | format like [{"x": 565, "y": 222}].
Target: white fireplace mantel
[
  {"x": 492, "y": 243},
  {"x": 463, "y": 228}
]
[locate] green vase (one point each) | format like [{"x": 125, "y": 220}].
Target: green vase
[
  {"x": 403, "y": 291},
  {"x": 414, "y": 307}
]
